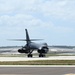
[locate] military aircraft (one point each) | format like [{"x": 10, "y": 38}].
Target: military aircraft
[{"x": 30, "y": 46}]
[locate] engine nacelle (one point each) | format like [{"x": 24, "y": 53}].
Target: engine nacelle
[
  {"x": 43, "y": 50},
  {"x": 23, "y": 51}
]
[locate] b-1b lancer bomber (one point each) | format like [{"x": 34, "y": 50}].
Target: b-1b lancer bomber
[{"x": 30, "y": 46}]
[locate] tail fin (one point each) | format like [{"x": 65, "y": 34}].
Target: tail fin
[
  {"x": 28, "y": 40},
  {"x": 27, "y": 36}
]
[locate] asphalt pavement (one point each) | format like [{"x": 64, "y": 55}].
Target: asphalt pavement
[{"x": 37, "y": 70}]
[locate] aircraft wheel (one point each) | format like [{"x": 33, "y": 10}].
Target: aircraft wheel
[
  {"x": 30, "y": 55},
  {"x": 41, "y": 55}
]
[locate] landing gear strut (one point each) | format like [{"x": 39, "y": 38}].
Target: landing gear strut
[{"x": 30, "y": 53}]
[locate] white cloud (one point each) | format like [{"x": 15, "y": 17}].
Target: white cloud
[
  {"x": 62, "y": 29},
  {"x": 20, "y": 13},
  {"x": 63, "y": 9},
  {"x": 13, "y": 6},
  {"x": 21, "y": 21}
]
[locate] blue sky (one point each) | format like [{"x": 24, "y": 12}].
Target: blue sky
[{"x": 51, "y": 20}]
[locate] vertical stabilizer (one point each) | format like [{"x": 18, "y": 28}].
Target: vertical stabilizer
[{"x": 27, "y": 36}]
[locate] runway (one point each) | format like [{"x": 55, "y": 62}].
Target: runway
[
  {"x": 37, "y": 58},
  {"x": 37, "y": 70}
]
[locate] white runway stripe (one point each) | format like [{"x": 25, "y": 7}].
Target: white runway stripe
[{"x": 37, "y": 66}]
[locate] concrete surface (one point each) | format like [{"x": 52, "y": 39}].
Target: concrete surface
[
  {"x": 37, "y": 70},
  {"x": 35, "y": 58}
]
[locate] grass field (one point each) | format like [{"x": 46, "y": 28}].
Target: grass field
[{"x": 40, "y": 62}]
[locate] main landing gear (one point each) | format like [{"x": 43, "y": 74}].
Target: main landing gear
[
  {"x": 29, "y": 55},
  {"x": 41, "y": 55}
]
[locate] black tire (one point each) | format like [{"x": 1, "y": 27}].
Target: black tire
[
  {"x": 44, "y": 55},
  {"x": 41, "y": 55},
  {"x": 30, "y": 55}
]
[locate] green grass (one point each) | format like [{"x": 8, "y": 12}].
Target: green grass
[{"x": 40, "y": 62}]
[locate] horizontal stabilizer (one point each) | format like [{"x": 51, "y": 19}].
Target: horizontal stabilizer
[
  {"x": 24, "y": 39},
  {"x": 35, "y": 39},
  {"x": 17, "y": 39}
]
